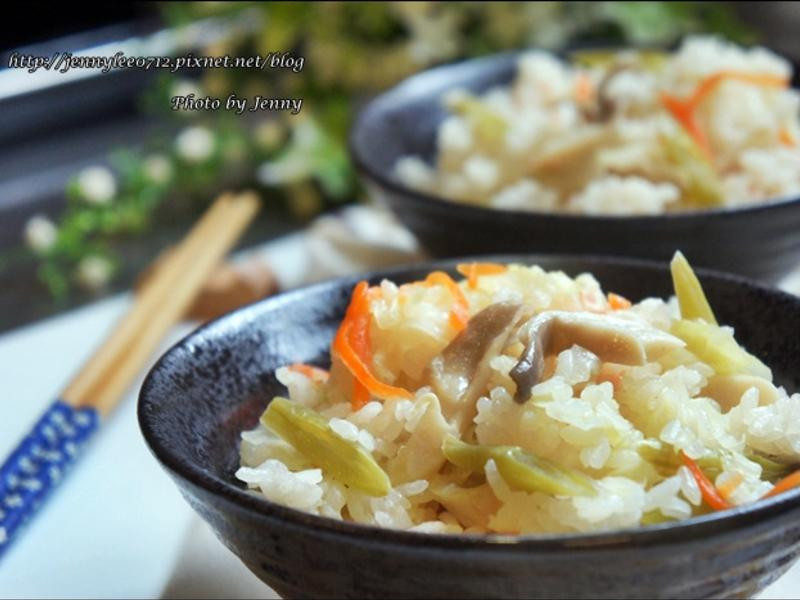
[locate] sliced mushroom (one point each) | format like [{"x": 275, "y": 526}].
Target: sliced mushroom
[
  {"x": 459, "y": 374},
  {"x": 612, "y": 339},
  {"x": 602, "y": 109},
  {"x": 567, "y": 149},
  {"x": 727, "y": 390},
  {"x": 567, "y": 161}
]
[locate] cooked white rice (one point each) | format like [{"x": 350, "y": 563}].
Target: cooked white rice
[
  {"x": 595, "y": 136},
  {"x": 596, "y": 417}
]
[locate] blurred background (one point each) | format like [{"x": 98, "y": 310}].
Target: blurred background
[{"x": 98, "y": 175}]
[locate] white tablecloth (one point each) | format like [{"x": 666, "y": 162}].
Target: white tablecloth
[{"x": 117, "y": 527}]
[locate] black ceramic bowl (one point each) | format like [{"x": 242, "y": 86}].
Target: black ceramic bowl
[
  {"x": 760, "y": 241},
  {"x": 216, "y": 382}
]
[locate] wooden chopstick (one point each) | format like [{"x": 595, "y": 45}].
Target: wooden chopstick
[
  {"x": 160, "y": 304},
  {"x": 195, "y": 268},
  {"x": 146, "y": 302},
  {"x": 36, "y": 465}
]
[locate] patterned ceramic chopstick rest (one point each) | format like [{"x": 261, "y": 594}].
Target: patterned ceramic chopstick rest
[{"x": 38, "y": 463}]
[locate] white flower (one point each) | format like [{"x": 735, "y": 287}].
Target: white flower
[
  {"x": 290, "y": 168},
  {"x": 40, "y": 233},
  {"x": 306, "y": 134},
  {"x": 157, "y": 168},
  {"x": 94, "y": 272},
  {"x": 97, "y": 185},
  {"x": 195, "y": 144},
  {"x": 296, "y": 163}
]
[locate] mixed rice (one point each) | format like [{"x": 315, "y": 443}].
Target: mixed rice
[
  {"x": 518, "y": 400},
  {"x": 622, "y": 133}
]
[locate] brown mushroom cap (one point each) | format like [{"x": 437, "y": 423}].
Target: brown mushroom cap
[
  {"x": 612, "y": 339},
  {"x": 460, "y": 372}
]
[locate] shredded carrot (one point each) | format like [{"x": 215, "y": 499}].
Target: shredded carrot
[
  {"x": 683, "y": 109},
  {"x": 360, "y": 371},
  {"x": 784, "y": 485},
  {"x": 310, "y": 371},
  {"x": 359, "y": 312},
  {"x": 593, "y": 302},
  {"x": 474, "y": 270},
  {"x": 709, "y": 83},
  {"x": 710, "y": 494},
  {"x": 459, "y": 313},
  {"x": 584, "y": 90},
  {"x": 683, "y": 112},
  {"x": 360, "y": 395},
  {"x": 727, "y": 488},
  {"x": 352, "y": 346},
  {"x": 617, "y": 302},
  {"x": 786, "y": 138}
]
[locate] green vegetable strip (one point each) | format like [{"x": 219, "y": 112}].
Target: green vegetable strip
[
  {"x": 311, "y": 436},
  {"x": 487, "y": 124},
  {"x": 520, "y": 470},
  {"x": 691, "y": 297},
  {"x": 717, "y": 348},
  {"x": 700, "y": 183},
  {"x": 654, "y": 517},
  {"x": 665, "y": 458}
]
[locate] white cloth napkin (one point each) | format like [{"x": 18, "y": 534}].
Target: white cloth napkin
[
  {"x": 359, "y": 239},
  {"x": 207, "y": 569}
]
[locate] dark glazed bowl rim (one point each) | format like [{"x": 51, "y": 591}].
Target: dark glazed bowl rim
[
  {"x": 486, "y": 63},
  {"x": 241, "y": 499}
]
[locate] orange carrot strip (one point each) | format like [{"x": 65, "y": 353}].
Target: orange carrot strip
[
  {"x": 474, "y": 270},
  {"x": 784, "y": 485},
  {"x": 584, "y": 90},
  {"x": 786, "y": 138},
  {"x": 360, "y": 371},
  {"x": 683, "y": 112},
  {"x": 352, "y": 346},
  {"x": 357, "y": 315},
  {"x": 360, "y": 397},
  {"x": 727, "y": 488},
  {"x": 459, "y": 313},
  {"x": 617, "y": 302},
  {"x": 710, "y": 82},
  {"x": 359, "y": 340},
  {"x": 309, "y": 371},
  {"x": 707, "y": 489},
  {"x": 683, "y": 109}
]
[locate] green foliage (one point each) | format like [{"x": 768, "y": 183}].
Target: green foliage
[
  {"x": 351, "y": 50},
  {"x": 664, "y": 22}
]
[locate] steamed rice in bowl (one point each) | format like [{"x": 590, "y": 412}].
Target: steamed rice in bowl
[
  {"x": 523, "y": 401},
  {"x": 621, "y": 133}
]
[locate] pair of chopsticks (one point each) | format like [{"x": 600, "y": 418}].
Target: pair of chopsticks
[{"x": 37, "y": 464}]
